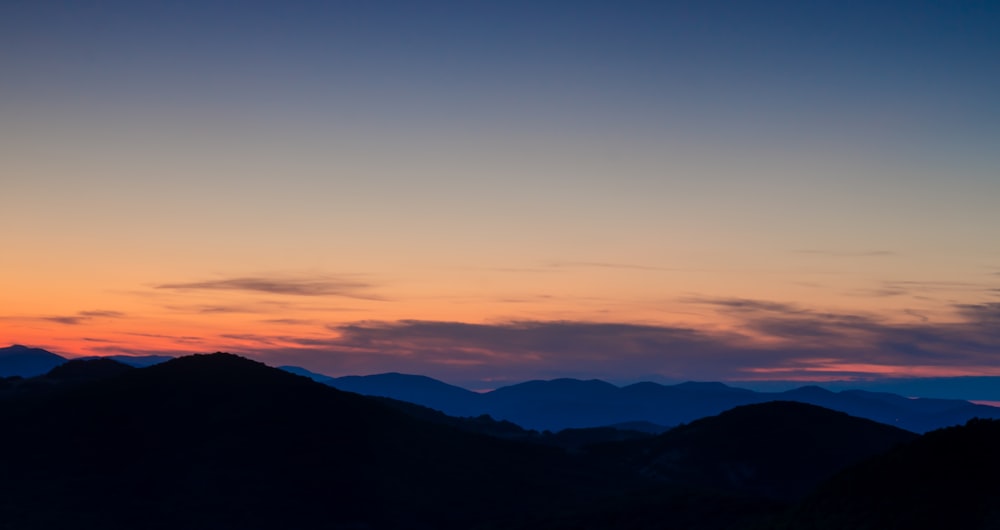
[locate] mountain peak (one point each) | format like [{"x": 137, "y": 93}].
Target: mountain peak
[{"x": 25, "y": 361}]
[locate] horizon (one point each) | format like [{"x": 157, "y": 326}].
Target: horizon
[
  {"x": 499, "y": 193},
  {"x": 983, "y": 390}
]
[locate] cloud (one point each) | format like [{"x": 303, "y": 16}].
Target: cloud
[
  {"x": 932, "y": 286},
  {"x": 213, "y": 309},
  {"x": 317, "y": 286},
  {"x": 289, "y": 321},
  {"x": 607, "y": 265},
  {"x": 849, "y": 254},
  {"x": 186, "y": 339},
  {"x": 69, "y": 321},
  {"x": 512, "y": 350},
  {"x": 102, "y": 314},
  {"x": 765, "y": 339},
  {"x": 80, "y": 318},
  {"x": 985, "y": 313},
  {"x": 744, "y": 304}
]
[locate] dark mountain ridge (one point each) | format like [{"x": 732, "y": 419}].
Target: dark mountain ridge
[
  {"x": 944, "y": 479},
  {"x": 568, "y": 403},
  {"x": 777, "y": 449},
  {"x": 217, "y": 441}
]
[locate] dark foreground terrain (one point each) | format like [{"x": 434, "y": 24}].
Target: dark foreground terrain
[{"x": 218, "y": 441}]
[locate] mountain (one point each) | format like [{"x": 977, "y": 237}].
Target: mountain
[
  {"x": 971, "y": 388},
  {"x": 218, "y": 441},
  {"x": 735, "y": 470},
  {"x": 450, "y": 399},
  {"x": 569, "y": 403},
  {"x": 298, "y": 370},
  {"x": 221, "y": 442},
  {"x": 23, "y": 361},
  {"x": 66, "y": 375},
  {"x": 944, "y": 479},
  {"x": 778, "y": 449},
  {"x": 918, "y": 415},
  {"x": 557, "y": 404},
  {"x": 137, "y": 361}
]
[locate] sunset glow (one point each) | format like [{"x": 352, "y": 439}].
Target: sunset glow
[{"x": 506, "y": 192}]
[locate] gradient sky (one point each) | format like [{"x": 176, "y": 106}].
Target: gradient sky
[{"x": 488, "y": 192}]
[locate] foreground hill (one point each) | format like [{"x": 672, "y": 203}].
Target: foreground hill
[
  {"x": 945, "y": 479},
  {"x": 217, "y": 441},
  {"x": 221, "y": 442},
  {"x": 779, "y": 449},
  {"x": 730, "y": 471}
]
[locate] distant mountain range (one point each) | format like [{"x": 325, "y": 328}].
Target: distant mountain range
[
  {"x": 22, "y": 361},
  {"x": 222, "y": 442},
  {"x": 570, "y": 403}
]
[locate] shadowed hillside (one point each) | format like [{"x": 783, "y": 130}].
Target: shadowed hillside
[
  {"x": 779, "y": 449},
  {"x": 945, "y": 479},
  {"x": 217, "y": 441},
  {"x": 221, "y": 442}
]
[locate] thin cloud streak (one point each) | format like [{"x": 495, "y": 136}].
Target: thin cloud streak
[
  {"x": 81, "y": 317},
  {"x": 102, "y": 314},
  {"x": 849, "y": 254},
  {"x": 69, "y": 321},
  {"x": 309, "y": 287},
  {"x": 609, "y": 265}
]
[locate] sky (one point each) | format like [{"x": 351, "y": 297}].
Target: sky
[{"x": 489, "y": 192}]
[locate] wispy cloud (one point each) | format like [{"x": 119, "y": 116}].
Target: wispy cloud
[
  {"x": 300, "y": 286},
  {"x": 67, "y": 320},
  {"x": 186, "y": 339},
  {"x": 985, "y": 313},
  {"x": 744, "y": 304},
  {"x": 607, "y": 265},
  {"x": 849, "y": 253},
  {"x": 80, "y": 317},
  {"x": 208, "y": 309},
  {"x": 289, "y": 321},
  {"x": 101, "y": 314}
]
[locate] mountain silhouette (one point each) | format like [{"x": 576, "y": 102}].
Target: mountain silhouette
[
  {"x": 22, "y": 361},
  {"x": 66, "y": 375},
  {"x": 218, "y": 441},
  {"x": 944, "y": 479},
  {"x": 778, "y": 449},
  {"x": 736, "y": 470},
  {"x": 137, "y": 361},
  {"x": 450, "y": 399}
]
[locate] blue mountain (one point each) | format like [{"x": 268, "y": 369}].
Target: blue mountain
[
  {"x": 422, "y": 390},
  {"x": 18, "y": 360},
  {"x": 570, "y": 403}
]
